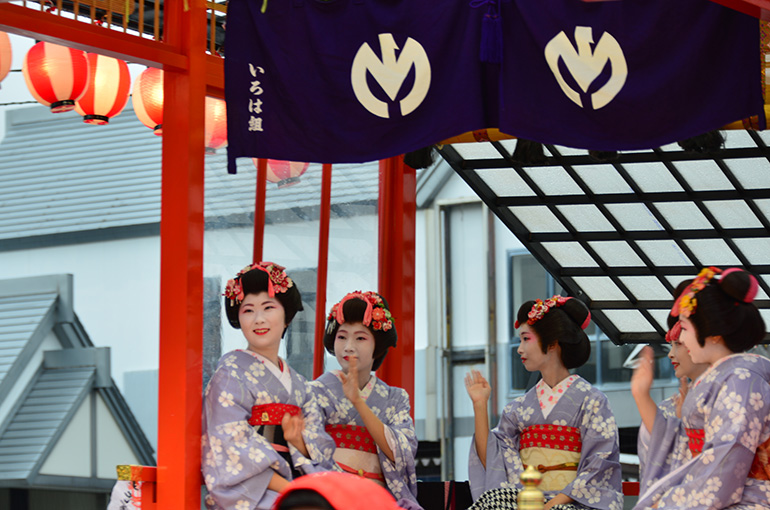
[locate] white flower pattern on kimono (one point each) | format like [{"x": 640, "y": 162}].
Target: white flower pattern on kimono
[{"x": 226, "y": 399}]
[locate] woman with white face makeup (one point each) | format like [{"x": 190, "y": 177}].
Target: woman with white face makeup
[
  {"x": 731, "y": 399},
  {"x": 372, "y": 433},
  {"x": 661, "y": 424},
  {"x": 259, "y": 419},
  {"x": 563, "y": 426}
]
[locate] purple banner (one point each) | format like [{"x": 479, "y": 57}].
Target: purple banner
[{"x": 359, "y": 80}]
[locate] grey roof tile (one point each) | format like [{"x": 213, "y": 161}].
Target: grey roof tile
[{"x": 19, "y": 317}]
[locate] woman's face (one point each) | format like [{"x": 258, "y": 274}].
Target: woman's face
[
  {"x": 532, "y": 355},
  {"x": 682, "y": 362},
  {"x": 353, "y": 339},
  {"x": 262, "y": 321}
]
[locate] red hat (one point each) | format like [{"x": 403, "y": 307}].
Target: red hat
[{"x": 343, "y": 491}]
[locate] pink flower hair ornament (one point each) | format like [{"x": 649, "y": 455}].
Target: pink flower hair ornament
[
  {"x": 686, "y": 304},
  {"x": 672, "y": 335},
  {"x": 376, "y": 316},
  {"x": 277, "y": 281},
  {"x": 540, "y": 308}
]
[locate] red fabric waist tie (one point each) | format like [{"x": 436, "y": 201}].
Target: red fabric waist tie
[
  {"x": 760, "y": 468},
  {"x": 361, "y": 472},
  {"x": 271, "y": 414},
  {"x": 555, "y": 437},
  {"x": 352, "y": 437},
  {"x": 695, "y": 439}
]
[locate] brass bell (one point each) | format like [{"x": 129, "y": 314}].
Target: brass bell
[{"x": 530, "y": 497}]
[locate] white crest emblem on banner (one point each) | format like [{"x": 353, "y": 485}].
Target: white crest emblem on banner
[
  {"x": 390, "y": 72},
  {"x": 585, "y": 65}
]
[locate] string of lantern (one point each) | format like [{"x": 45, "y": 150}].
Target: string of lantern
[{"x": 98, "y": 87}]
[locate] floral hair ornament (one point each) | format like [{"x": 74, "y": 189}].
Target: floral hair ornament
[
  {"x": 686, "y": 303},
  {"x": 277, "y": 281},
  {"x": 672, "y": 335},
  {"x": 376, "y": 316},
  {"x": 540, "y": 308}
]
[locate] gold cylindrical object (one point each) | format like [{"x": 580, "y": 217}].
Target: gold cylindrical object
[{"x": 530, "y": 497}]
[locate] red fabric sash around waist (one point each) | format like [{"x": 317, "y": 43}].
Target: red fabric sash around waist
[
  {"x": 271, "y": 414},
  {"x": 695, "y": 439},
  {"x": 352, "y": 437},
  {"x": 555, "y": 437},
  {"x": 760, "y": 468}
]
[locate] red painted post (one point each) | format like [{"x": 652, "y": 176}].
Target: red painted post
[
  {"x": 259, "y": 210},
  {"x": 323, "y": 263},
  {"x": 397, "y": 211},
  {"x": 181, "y": 261}
]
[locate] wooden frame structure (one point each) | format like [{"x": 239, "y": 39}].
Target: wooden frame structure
[{"x": 190, "y": 74}]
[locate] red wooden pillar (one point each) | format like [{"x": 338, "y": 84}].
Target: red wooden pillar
[
  {"x": 181, "y": 260},
  {"x": 324, "y": 218},
  {"x": 396, "y": 282}
]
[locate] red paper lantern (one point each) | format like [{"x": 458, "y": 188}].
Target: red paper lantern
[
  {"x": 148, "y": 99},
  {"x": 5, "y": 55},
  {"x": 107, "y": 92},
  {"x": 216, "y": 124},
  {"x": 56, "y": 76},
  {"x": 284, "y": 173}
]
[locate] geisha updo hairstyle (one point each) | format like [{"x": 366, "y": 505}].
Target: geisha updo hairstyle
[
  {"x": 358, "y": 307},
  {"x": 564, "y": 324},
  {"x": 262, "y": 277},
  {"x": 724, "y": 307}
]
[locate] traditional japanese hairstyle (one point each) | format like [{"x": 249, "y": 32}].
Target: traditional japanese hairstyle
[
  {"x": 559, "y": 320},
  {"x": 674, "y": 327},
  {"x": 262, "y": 277},
  {"x": 370, "y": 309},
  {"x": 720, "y": 303}
]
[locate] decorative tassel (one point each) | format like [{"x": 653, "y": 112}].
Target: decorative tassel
[
  {"x": 421, "y": 158},
  {"x": 711, "y": 141},
  {"x": 528, "y": 153},
  {"x": 491, "y": 37},
  {"x": 603, "y": 156}
]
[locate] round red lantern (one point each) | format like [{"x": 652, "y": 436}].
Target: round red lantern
[
  {"x": 5, "y": 55},
  {"x": 56, "y": 76},
  {"x": 148, "y": 99},
  {"x": 216, "y": 124},
  {"x": 107, "y": 92},
  {"x": 284, "y": 173}
]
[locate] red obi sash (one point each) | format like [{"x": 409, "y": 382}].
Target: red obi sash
[
  {"x": 555, "y": 437},
  {"x": 352, "y": 437},
  {"x": 760, "y": 468},
  {"x": 695, "y": 439},
  {"x": 271, "y": 414}
]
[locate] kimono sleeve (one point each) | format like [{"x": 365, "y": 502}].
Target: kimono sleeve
[
  {"x": 503, "y": 461},
  {"x": 670, "y": 451},
  {"x": 400, "y": 474},
  {"x": 598, "y": 481},
  {"x": 320, "y": 445},
  {"x": 237, "y": 462},
  {"x": 736, "y": 424}
]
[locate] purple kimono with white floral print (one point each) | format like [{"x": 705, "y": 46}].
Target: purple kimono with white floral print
[
  {"x": 598, "y": 481},
  {"x": 237, "y": 462},
  {"x": 732, "y": 401},
  {"x": 391, "y": 406}
]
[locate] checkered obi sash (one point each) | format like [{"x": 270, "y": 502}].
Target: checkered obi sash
[
  {"x": 271, "y": 414},
  {"x": 695, "y": 439},
  {"x": 554, "y": 450},
  {"x": 354, "y": 437}
]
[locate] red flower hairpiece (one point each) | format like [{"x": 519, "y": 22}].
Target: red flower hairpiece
[
  {"x": 540, "y": 308},
  {"x": 672, "y": 335},
  {"x": 376, "y": 316},
  {"x": 686, "y": 304},
  {"x": 277, "y": 281}
]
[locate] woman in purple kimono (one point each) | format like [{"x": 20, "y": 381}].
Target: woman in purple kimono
[
  {"x": 368, "y": 421},
  {"x": 661, "y": 424},
  {"x": 563, "y": 426},
  {"x": 731, "y": 399},
  {"x": 260, "y": 423}
]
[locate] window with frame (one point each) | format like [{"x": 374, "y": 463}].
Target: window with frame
[{"x": 528, "y": 280}]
